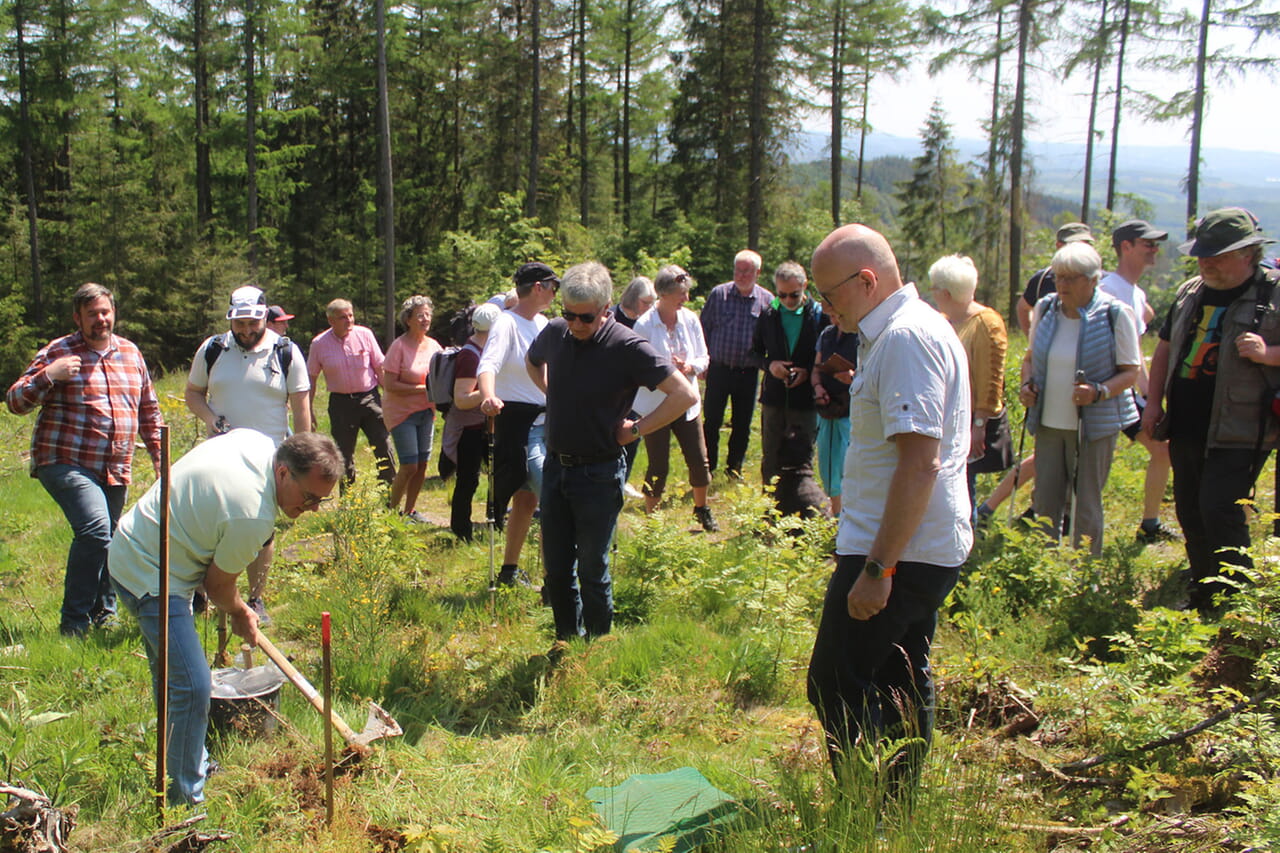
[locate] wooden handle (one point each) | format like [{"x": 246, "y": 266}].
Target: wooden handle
[{"x": 300, "y": 682}]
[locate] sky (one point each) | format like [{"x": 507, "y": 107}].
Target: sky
[{"x": 1242, "y": 114}]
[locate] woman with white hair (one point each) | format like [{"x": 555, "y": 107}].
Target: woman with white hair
[
  {"x": 1082, "y": 355},
  {"x": 981, "y": 330},
  {"x": 409, "y": 415},
  {"x": 676, "y": 333},
  {"x": 637, "y": 298}
]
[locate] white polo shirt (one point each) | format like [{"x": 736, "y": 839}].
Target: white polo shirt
[
  {"x": 913, "y": 377},
  {"x": 248, "y": 388},
  {"x": 222, "y": 508}
]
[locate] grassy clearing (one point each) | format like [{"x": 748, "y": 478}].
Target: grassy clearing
[{"x": 705, "y": 669}]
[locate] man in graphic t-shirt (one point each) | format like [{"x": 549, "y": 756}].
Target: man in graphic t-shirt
[{"x": 1218, "y": 355}]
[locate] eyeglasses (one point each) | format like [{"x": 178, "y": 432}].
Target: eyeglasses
[
  {"x": 582, "y": 318},
  {"x": 789, "y": 296},
  {"x": 552, "y": 284},
  {"x": 309, "y": 500},
  {"x": 826, "y": 296}
]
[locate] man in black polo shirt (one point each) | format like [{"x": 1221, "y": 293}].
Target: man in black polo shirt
[{"x": 590, "y": 367}]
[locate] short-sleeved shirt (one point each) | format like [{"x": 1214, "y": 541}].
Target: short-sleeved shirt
[
  {"x": 249, "y": 388},
  {"x": 1041, "y": 284},
  {"x": 1195, "y": 373},
  {"x": 592, "y": 384},
  {"x": 504, "y": 352},
  {"x": 912, "y": 378},
  {"x": 411, "y": 364},
  {"x": 222, "y": 507},
  {"x": 729, "y": 321},
  {"x": 1130, "y": 295},
  {"x": 466, "y": 366},
  {"x": 350, "y": 364}
]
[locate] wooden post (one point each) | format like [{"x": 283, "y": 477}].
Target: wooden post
[
  {"x": 162, "y": 654},
  {"x": 327, "y": 666}
]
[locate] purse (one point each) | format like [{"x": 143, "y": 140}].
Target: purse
[{"x": 999, "y": 454}]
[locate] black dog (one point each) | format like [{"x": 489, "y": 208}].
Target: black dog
[{"x": 796, "y": 491}]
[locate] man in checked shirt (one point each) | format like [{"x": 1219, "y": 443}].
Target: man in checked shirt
[{"x": 95, "y": 397}]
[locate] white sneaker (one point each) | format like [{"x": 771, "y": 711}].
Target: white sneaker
[{"x": 631, "y": 491}]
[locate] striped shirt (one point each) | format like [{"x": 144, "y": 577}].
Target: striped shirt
[
  {"x": 729, "y": 321},
  {"x": 91, "y": 420},
  {"x": 350, "y": 364}
]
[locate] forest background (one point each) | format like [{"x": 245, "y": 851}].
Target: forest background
[{"x": 319, "y": 148}]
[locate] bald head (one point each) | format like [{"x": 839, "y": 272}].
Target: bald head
[{"x": 855, "y": 270}]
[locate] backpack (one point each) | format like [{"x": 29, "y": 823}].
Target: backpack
[
  {"x": 440, "y": 375},
  {"x": 218, "y": 345}
]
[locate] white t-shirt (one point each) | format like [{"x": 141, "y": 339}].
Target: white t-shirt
[
  {"x": 222, "y": 508},
  {"x": 248, "y": 388},
  {"x": 913, "y": 377},
  {"x": 504, "y": 352},
  {"x": 1130, "y": 296}
]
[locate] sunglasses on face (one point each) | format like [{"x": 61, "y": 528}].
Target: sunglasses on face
[
  {"x": 790, "y": 296},
  {"x": 582, "y": 318},
  {"x": 552, "y": 284}
]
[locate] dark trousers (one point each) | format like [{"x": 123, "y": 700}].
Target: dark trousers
[
  {"x": 580, "y": 506},
  {"x": 657, "y": 446},
  {"x": 471, "y": 453},
  {"x": 864, "y": 674},
  {"x": 735, "y": 386},
  {"x": 774, "y": 422},
  {"x": 349, "y": 415},
  {"x": 1206, "y": 487}
]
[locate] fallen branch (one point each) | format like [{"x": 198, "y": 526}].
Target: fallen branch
[
  {"x": 33, "y": 825},
  {"x": 181, "y": 838},
  {"x": 1064, "y": 829},
  {"x": 1177, "y": 737}
]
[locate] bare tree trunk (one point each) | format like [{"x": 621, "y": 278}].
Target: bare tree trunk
[
  {"x": 584, "y": 189},
  {"x": 626, "y": 119},
  {"x": 1197, "y": 118},
  {"x": 204, "y": 190},
  {"x": 385, "y": 181},
  {"x": 1115, "y": 119},
  {"x": 1015, "y": 160},
  {"x": 756, "y": 130},
  {"x": 535, "y": 37},
  {"x": 991, "y": 236},
  {"x": 1093, "y": 115},
  {"x": 837, "y": 109},
  {"x": 28, "y": 162},
  {"x": 863, "y": 129},
  {"x": 251, "y": 132}
]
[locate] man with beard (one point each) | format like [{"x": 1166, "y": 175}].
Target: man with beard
[
  {"x": 250, "y": 377},
  {"x": 95, "y": 398}
]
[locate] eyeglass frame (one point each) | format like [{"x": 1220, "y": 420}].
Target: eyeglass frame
[{"x": 309, "y": 500}]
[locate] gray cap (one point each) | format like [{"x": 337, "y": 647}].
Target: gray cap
[
  {"x": 247, "y": 302},
  {"x": 1073, "y": 232},
  {"x": 1133, "y": 230}
]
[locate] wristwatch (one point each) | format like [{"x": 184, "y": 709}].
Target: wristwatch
[
  {"x": 635, "y": 429},
  {"x": 876, "y": 569}
]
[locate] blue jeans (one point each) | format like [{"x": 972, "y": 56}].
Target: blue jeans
[
  {"x": 535, "y": 451},
  {"x": 580, "y": 506},
  {"x": 864, "y": 674},
  {"x": 189, "y": 687},
  {"x": 92, "y": 509},
  {"x": 414, "y": 436}
]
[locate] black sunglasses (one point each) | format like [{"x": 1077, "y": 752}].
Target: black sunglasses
[
  {"x": 583, "y": 318},
  {"x": 790, "y": 296},
  {"x": 552, "y": 283}
]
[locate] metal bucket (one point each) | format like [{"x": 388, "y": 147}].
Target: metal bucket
[{"x": 245, "y": 701}]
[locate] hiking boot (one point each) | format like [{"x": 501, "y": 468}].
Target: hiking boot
[
  {"x": 512, "y": 576},
  {"x": 733, "y": 474},
  {"x": 708, "y": 522},
  {"x": 260, "y": 609},
  {"x": 415, "y": 517},
  {"x": 1158, "y": 532}
]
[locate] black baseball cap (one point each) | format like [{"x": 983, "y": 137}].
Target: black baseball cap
[{"x": 532, "y": 273}]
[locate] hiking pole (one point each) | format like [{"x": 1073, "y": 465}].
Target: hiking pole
[
  {"x": 326, "y": 663},
  {"x": 491, "y": 516},
  {"x": 162, "y": 652},
  {"x": 1017, "y": 468},
  {"x": 1075, "y": 473}
]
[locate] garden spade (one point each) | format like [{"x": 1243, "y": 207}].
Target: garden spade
[{"x": 379, "y": 725}]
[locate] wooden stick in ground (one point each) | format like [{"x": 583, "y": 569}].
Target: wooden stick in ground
[
  {"x": 162, "y": 653},
  {"x": 327, "y": 666}
]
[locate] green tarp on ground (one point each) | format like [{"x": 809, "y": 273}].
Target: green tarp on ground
[{"x": 681, "y": 804}]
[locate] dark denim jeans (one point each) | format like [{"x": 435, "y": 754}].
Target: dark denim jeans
[
  {"x": 92, "y": 509},
  {"x": 580, "y": 506},
  {"x": 190, "y": 686},
  {"x": 864, "y": 675}
]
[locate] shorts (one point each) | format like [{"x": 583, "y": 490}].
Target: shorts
[{"x": 413, "y": 437}]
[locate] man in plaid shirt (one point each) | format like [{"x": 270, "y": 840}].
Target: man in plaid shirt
[{"x": 95, "y": 397}]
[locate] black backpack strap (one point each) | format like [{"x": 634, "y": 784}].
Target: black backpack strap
[
  {"x": 217, "y": 344},
  {"x": 284, "y": 354}
]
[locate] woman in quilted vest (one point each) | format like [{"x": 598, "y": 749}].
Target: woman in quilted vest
[{"x": 1082, "y": 354}]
